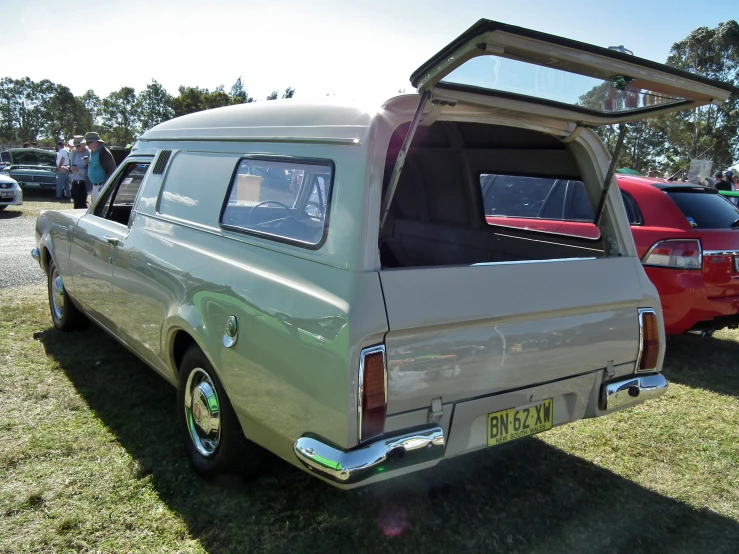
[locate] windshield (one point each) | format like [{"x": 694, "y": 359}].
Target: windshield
[
  {"x": 706, "y": 211},
  {"x": 32, "y": 157},
  {"x": 548, "y": 83}
]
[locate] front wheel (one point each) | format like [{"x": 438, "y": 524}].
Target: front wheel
[
  {"x": 213, "y": 438},
  {"x": 64, "y": 314}
]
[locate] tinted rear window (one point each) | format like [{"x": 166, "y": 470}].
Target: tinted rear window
[{"x": 704, "y": 210}]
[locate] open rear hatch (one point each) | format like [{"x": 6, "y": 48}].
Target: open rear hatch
[
  {"x": 559, "y": 77},
  {"x": 466, "y": 331}
]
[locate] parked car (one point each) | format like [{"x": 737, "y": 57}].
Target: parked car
[
  {"x": 319, "y": 277},
  {"x": 10, "y": 193},
  {"x": 30, "y": 167},
  {"x": 687, "y": 237}
]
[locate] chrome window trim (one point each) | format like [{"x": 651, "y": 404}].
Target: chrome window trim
[
  {"x": 641, "y": 312},
  {"x": 651, "y": 249},
  {"x": 360, "y": 385}
]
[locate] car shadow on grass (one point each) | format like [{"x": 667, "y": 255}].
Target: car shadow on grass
[
  {"x": 706, "y": 363},
  {"x": 526, "y": 496}
]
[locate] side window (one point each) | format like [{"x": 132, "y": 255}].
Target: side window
[
  {"x": 194, "y": 186},
  {"x": 520, "y": 196},
  {"x": 580, "y": 207},
  {"x": 288, "y": 201},
  {"x": 632, "y": 210},
  {"x": 118, "y": 199}
]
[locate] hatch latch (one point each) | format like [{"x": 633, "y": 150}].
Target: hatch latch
[{"x": 436, "y": 411}]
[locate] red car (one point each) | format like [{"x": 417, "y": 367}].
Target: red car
[{"x": 687, "y": 237}]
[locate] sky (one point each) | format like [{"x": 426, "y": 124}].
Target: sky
[{"x": 317, "y": 47}]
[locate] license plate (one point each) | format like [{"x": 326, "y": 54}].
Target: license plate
[
  {"x": 506, "y": 425},
  {"x": 6, "y": 195},
  {"x": 736, "y": 264}
]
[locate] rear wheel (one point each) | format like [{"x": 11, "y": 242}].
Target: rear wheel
[
  {"x": 64, "y": 314},
  {"x": 214, "y": 441}
]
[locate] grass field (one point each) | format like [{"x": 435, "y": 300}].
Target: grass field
[{"x": 90, "y": 461}]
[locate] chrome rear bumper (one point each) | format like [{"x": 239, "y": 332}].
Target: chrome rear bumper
[
  {"x": 633, "y": 390},
  {"x": 383, "y": 455}
]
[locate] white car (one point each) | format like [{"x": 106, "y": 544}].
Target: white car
[{"x": 10, "y": 192}]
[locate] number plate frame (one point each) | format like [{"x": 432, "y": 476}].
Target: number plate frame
[{"x": 530, "y": 420}]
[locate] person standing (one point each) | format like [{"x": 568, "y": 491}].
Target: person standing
[
  {"x": 62, "y": 171},
  {"x": 100, "y": 164},
  {"x": 78, "y": 166}
]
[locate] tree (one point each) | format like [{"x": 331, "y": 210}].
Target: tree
[
  {"x": 711, "y": 130},
  {"x": 288, "y": 92},
  {"x": 119, "y": 116},
  {"x": 273, "y": 95},
  {"x": 238, "y": 93},
  {"x": 89, "y": 107},
  {"x": 154, "y": 105}
]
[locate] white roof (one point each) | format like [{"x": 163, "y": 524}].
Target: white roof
[{"x": 273, "y": 119}]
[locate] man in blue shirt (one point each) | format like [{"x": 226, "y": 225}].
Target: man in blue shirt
[{"x": 100, "y": 164}]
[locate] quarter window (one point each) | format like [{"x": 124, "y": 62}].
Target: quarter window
[
  {"x": 119, "y": 197},
  {"x": 284, "y": 200}
]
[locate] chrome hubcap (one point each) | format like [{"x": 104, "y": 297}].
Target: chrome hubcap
[
  {"x": 203, "y": 412},
  {"x": 57, "y": 295}
]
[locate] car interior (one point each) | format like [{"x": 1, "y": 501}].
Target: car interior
[{"x": 437, "y": 215}]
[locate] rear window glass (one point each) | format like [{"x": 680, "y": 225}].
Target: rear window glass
[
  {"x": 283, "y": 200},
  {"x": 520, "y": 196},
  {"x": 705, "y": 210}
]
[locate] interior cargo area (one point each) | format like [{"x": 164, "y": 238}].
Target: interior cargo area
[{"x": 437, "y": 216}]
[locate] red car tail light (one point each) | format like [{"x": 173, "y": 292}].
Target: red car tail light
[
  {"x": 648, "y": 340},
  {"x": 372, "y": 394},
  {"x": 682, "y": 254}
]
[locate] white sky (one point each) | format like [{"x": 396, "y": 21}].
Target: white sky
[{"x": 318, "y": 47}]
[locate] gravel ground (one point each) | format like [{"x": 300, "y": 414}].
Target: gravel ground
[{"x": 17, "y": 267}]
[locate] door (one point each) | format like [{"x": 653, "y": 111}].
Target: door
[
  {"x": 95, "y": 243},
  {"x": 558, "y": 77}
]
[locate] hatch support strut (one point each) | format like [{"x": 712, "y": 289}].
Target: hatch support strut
[
  {"x": 395, "y": 177},
  {"x": 609, "y": 174}
]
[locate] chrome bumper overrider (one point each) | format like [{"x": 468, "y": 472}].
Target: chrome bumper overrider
[
  {"x": 383, "y": 455},
  {"x": 36, "y": 255},
  {"x": 633, "y": 390}
]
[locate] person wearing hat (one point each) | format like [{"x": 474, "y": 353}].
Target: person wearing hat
[
  {"x": 101, "y": 164},
  {"x": 62, "y": 171},
  {"x": 77, "y": 160},
  {"x": 720, "y": 183}
]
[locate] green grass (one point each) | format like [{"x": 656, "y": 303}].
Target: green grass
[{"x": 90, "y": 461}]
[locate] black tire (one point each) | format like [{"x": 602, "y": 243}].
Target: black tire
[
  {"x": 64, "y": 314},
  {"x": 215, "y": 449}
]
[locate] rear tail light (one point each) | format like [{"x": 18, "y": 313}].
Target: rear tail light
[
  {"x": 683, "y": 254},
  {"x": 648, "y": 340},
  {"x": 372, "y": 394}
]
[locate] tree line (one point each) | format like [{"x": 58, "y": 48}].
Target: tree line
[{"x": 43, "y": 111}]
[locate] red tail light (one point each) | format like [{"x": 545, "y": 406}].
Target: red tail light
[
  {"x": 683, "y": 254},
  {"x": 649, "y": 337},
  {"x": 372, "y": 392}
]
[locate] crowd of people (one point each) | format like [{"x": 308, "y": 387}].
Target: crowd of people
[{"x": 83, "y": 165}]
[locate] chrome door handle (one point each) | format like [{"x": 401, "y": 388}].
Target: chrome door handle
[{"x": 112, "y": 240}]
